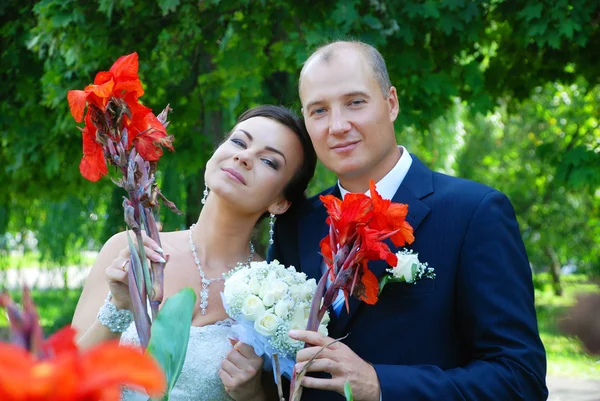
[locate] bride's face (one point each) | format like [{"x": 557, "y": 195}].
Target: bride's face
[{"x": 254, "y": 164}]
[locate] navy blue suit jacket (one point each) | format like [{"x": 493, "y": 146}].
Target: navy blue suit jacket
[{"x": 469, "y": 334}]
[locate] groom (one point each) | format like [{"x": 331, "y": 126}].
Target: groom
[{"x": 469, "y": 334}]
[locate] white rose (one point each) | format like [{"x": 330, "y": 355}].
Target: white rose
[
  {"x": 404, "y": 269},
  {"x": 265, "y": 286},
  {"x": 282, "y": 308},
  {"x": 307, "y": 291},
  {"x": 299, "y": 318},
  {"x": 278, "y": 288},
  {"x": 298, "y": 325},
  {"x": 323, "y": 330},
  {"x": 266, "y": 324},
  {"x": 271, "y": 276},
  {"x": 233, "y": 289},
  {"x": 290, "y": 278},
  {"x": 294, "y": 291},
  {"x": 254, "y": 285},
  {"x": 252, "y": 308},
  {"x": 268, "y": 299},
  {"x": 326, "y": 318}
]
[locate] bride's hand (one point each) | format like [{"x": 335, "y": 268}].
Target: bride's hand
[
  {"x": 117, "y": 273},
  {"x": 241, "y": 373}
]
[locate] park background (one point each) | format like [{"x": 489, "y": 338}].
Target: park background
[{"x": 506, "y": 93}]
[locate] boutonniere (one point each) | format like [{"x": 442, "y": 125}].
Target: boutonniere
[{"x": 408, "y": 269}]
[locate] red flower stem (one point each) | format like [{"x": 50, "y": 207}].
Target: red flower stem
[
  {"x": 351, "y": 256},
  {"x": 354, "y": 281},
  {"x": 333, "y": 243},
  {"x": 388, "y": 235},
  {"x": 314, "y": 318},
  {"x": 158, "y": 269}
]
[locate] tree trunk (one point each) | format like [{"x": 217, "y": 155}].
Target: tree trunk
[{"x": 555, "y": 271}]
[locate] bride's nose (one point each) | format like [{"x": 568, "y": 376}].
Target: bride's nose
[{"x": 243, "y": 158}]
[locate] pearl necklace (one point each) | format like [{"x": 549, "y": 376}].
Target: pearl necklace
[{"x": 206, "y": 281}]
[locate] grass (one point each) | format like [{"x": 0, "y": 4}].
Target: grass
[
  {"x": 566, "y": 356},
  {"x": 55, "y": 308},
  {"x": 32, "y": 260}
]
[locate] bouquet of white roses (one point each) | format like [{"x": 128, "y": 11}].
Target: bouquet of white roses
[{"x": 268, "y": 300}]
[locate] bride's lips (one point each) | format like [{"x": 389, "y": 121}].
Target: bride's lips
[
  {"x": 345, "y": 147},
  {"x": 234, "y": 175}
]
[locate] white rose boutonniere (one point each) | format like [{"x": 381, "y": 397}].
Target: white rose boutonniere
[{"x": 409, "y": 269}]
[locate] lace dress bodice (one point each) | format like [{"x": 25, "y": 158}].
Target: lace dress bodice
[{"x": 199, "y": 379}]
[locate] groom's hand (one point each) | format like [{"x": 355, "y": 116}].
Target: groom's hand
[
  {"x": 241, "y": 373},
  {"x": 339, "y": 361}
]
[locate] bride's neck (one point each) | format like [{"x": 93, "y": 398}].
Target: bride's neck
[{"x": 222, "y": 235}]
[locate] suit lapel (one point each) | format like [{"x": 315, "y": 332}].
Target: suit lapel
[
  {"x": 312, "y": 229},
  {"x": 417, "y": 184}
]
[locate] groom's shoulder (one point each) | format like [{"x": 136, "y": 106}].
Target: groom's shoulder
[
  {"x": 445, "y": 185},
  {"x": 468, "y": 191},
  {"x": 315, "y": 201}
]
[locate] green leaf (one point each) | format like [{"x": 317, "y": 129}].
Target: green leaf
[
  {"x": 453, "y": 4},
  {"x": 372, "y": 22},
  {"x": 430, "y": 9},
  {"x": 383, "y": 281},
  {"x": 171, "y": 333},
  {"x": 449, "y": 23},
  {"x": 168, "y": 6},
  {"x": 533, "y": 10},
  {"x": 568, "y": 27},
  {"x": 348, "y": 391}
]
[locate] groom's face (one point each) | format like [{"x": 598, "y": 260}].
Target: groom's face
[{"x": 349, "y": 119}]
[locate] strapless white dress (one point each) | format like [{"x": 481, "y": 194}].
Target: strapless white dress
[{"x": 199, "y": 379}]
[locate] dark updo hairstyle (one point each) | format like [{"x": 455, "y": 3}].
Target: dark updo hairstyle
[{"x": 295, "y": 189}]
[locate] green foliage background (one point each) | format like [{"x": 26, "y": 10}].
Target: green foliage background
[{"x": 502, "y": 92}]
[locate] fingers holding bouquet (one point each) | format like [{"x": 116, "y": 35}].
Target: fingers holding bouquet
[
  {"x": 336, "y": 358},
  {"x": 118, "y": 271},
  {"x": 241, "y": 372}
]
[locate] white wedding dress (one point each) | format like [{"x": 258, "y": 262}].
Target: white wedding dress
[{"x": 199, "y": 379}]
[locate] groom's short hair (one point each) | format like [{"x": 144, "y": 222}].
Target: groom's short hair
[{"x": 372, "y": 56}]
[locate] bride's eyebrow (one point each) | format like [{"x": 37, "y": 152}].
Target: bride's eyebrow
[
  {"x": 276, "y": 151},
  {"x": 250, "y": 137},
  {"x": 269, "y": 148}
]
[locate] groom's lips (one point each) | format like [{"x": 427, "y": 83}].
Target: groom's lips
[
  {"x": 234, "y": 175},
  {"x": 345, "y": 147}
]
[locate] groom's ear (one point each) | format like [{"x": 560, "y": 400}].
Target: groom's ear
[{"x": 279, "y": 207}]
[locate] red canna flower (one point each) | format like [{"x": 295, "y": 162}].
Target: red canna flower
[
  {"x": 368, "y": 287},
  {"x": 372, "y": 246},
  {"x": 358, "y": 226},
  {"x": 347, "y": 215},
  {"x": 121, "y": 79},
  {"x": 70, "y": 375},
  {"x": 113, "y": 106},
  {"x": 55, "y": 369},
  {"x": 390, "y": 217},
  {"x": 93, "y": 164},
  {"x": 147, "y": 133}
]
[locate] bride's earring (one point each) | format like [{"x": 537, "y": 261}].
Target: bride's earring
[
  {"x": 205, "y": 193},
  {"x": 271, "y": 225}
]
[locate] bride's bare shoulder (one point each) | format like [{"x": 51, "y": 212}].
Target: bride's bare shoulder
[{"x": 167, "y": 239}]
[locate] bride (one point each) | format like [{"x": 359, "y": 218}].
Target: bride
[{"x": 261, "y": 169}]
